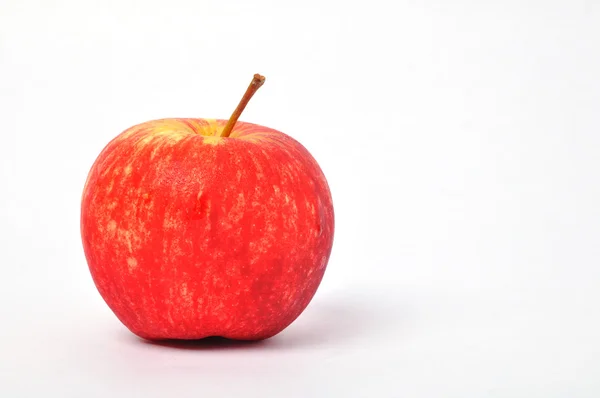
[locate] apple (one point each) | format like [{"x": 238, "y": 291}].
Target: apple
[{"x": 198, "y": 227}]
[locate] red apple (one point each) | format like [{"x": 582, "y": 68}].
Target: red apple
[{"x": 194, "y": 228}]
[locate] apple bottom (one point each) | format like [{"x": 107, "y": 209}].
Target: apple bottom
[{"x": 254, "y": 308}]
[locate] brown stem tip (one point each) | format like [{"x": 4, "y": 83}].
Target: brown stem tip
[{"x": 255, "y": 84}]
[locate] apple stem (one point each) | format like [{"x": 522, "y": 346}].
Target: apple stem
[{"x": 255, "y": 84}]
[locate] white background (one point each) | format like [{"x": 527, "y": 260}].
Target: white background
[{"x": 461, "y": 142}]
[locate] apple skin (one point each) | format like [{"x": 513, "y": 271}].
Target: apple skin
[{"x": 189, "y": 235}]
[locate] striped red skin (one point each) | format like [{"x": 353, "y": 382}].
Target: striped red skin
[{"x": 189, "y": 235}]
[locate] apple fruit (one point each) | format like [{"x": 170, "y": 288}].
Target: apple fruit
[{"x": 198, "y": 227}]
